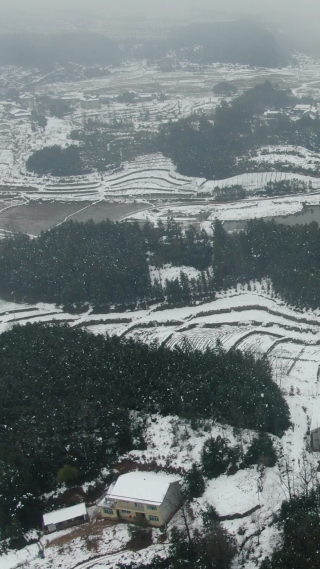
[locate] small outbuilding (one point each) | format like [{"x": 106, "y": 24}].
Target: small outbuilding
[
  {"x": 65, "y": 518},
  {"x": 142, "y": 496}
]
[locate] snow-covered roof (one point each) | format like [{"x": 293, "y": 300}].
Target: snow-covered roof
[
  {"x": 65, "y": 514},
  {"x": 141, "y": 487},
  {"x": 315, "y": 420},
  {"x": 20, "y": 113},
  {"x": 302, "y": 107}
]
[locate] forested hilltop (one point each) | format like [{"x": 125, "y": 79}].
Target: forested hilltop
[
  {"x": 66, "y": 395},
  {"x": 219, "y": 146}
]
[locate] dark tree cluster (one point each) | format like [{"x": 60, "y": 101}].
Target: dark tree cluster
[
  {"x": 212, "y": 548},
  {"x": 98, "y": 149},
  {"x": 66, "y": 393},
  {"x": 105, "y": 264},
  {"x": 299, "y": 522},
  {"x": 75, "y": 263},
  {"x": 56, "y": 161},
  {"x": 219, "y": 146},
  {"x": 288, "y": 255}
]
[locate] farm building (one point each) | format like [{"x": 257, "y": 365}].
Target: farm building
[
  {"x": 315, "y": 427},
  {"x": 28, "y": 101},
  {"x": 65, "y": 518},
  {"x": 92, "y": 103},
  {"x": 18, "y": 114},
  {"x": 146, "y": 496}
]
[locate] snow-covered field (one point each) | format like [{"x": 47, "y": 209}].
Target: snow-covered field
[{"x": 188, "y": 89}]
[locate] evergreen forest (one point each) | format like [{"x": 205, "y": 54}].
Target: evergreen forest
[
  {"x": 66, "y": 396},
  {"x": 287, "y": 255},
  {"x": 219, "y": 146},
  {"x": 299, "y": 523},
  {"x": 104, "y": 264}
]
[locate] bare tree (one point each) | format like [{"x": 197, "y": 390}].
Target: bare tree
[
  {"x": 307, "y": 476},
  {"x": 287, "y": 476}
]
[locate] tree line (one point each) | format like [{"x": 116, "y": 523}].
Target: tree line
[
  {"x": 288, "y": 255},
  {"x": 67, "y": 394},
  {"x": 104, "y": 264}
]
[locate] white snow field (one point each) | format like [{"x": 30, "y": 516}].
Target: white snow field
[{"x": 251, "y": 320}]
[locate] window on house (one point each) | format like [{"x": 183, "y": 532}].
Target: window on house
[
  {"x": 153, "y": 518},
  {"x": 108, "y": 511},
  {"x": 126, "y": 511},
  {"x": 138, "y": 505},
  {"x": 152, "y": 507}
]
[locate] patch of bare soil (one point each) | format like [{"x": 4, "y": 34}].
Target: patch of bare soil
[
  {"x": 86, "y": 532},
  {"x": 128, "y": 465},
  {"x": 140, "y": 542}
]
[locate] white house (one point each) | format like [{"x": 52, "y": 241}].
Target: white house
[
  {"x": 302, "y": 109},
  {"x": 65, "y": 518},
  {"x": 142, "y": 496}
]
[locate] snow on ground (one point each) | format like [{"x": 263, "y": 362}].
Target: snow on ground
[
  {"x": 168, "y": 272},
  {"x": 247, "y": 319}
]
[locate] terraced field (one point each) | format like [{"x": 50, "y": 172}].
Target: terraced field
[{"x": 249, "y": 321}]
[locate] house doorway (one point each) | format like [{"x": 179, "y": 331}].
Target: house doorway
[{"x": 140, "y": 516}]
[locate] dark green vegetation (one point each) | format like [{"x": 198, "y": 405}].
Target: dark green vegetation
[
  {"x": 100, "y": 148},
  {"x": 56, "y": 161},
  {"x": 212, "y": 548},
  {"x": 288, "y": 255},
  {"x": 299, "y": 521},
  {"x": 225, "y": 89},
  {"x": 195, "y": 483},
  {"x": 46, "y": 50},
  {"x": 65, "y": 397},
  {"x": 107, "y": 264},
  {"x": 104, "y": 264},
  {"x": 215, "y": 147},
  {"x": 217, "y": 456},
  {"x": 261, "y": 452}
]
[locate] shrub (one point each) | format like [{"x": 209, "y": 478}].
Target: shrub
[
  {"x": 67, "y": 475},
  {"x": 215, "y": 457},
  {"x": 261, "y": 451},
  {"x": 195, "y": 482}
]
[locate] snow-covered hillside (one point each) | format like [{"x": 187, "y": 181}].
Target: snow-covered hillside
[{"x": 251, "y": 320}]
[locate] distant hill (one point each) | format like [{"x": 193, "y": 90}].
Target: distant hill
[
  {"x": 247, "y": 43},
  {"x": 45, "y": 50}
]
